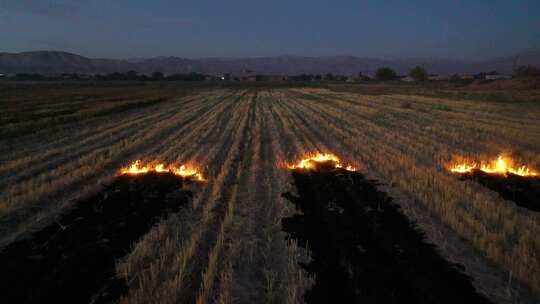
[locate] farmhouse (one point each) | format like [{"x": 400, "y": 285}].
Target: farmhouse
[
  {"x": 247, "y": 76},
  {"x": 408, "y": 79},
  {"x": 438, "y": 77},
  {"x": 497, "y": 76}
]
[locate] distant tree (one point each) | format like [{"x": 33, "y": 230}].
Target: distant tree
[
  {"x": 329, "y": 76},
  {"x": 193, "y": 76},
  {"x": 24, "y": 76},
  {"x": 419, "y": 74},
  {"x": 157, "y": 75},
  {"x": 186, "y": 77},
  {"x": 302, "y": 77},
  {"x": 174, "y": 77},
  {"x": 260, "y": 77},
  {"x": 114, "y": 76},
  {"x": 318, "y": 77},
  {"x": 385, "y": 74},
  {"x": 527, "y": 71},
  {"x": 69, "y": 76},
  {"x": 131, "y": 75}
]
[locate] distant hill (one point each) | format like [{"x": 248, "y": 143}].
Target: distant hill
[{"x": 55, "y": 62}]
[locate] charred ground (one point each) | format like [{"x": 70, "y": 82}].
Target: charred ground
[
  {"x": 363, "y": 249},
  {"x": 524, "y": 191},
  {"x": 73, "y": 260}
]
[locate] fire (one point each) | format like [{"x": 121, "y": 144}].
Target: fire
[
  {"x": 137, "y": 168},
  {"x": 186, "y": 172},
  {"x": 311, "y": 160},
  {"x": 161, "y": 168},
  {"x": 499, "y": 166}
]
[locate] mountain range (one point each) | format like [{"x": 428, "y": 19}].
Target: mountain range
[{"x": 56, "y": 62}]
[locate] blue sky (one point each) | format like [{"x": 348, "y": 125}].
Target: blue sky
[{"x": 478, "y": 29}]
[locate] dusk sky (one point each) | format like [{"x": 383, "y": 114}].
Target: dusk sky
[{"x": 386, "y": 29}]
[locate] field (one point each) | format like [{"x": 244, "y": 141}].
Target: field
[{"x": 63, "y": 143}]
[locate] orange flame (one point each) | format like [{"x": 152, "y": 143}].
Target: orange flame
[
  {"x": 186, "y": 172},
  {"x": 137, "y": 168},
  {"x": 311, "y": 160},
  {"x": 499, "y": 166}
]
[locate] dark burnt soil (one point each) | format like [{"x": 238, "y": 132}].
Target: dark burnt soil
[
  {"x": 73, "y": 260},
  {"x": 363, "y": 249},
  {"x": 524, "y": 191}
]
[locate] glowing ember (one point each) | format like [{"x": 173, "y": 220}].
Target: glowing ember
[
  {"x": 499, "y": 166},
  {"x": 310, "y": 161},
  {"x": 183, "y": 171}
]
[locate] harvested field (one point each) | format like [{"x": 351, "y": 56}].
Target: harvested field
[{"x": 60, "y": 145}]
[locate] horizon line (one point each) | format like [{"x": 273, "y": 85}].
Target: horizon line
[{"x": 516, "y": 54}]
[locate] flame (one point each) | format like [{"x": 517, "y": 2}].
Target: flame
[
  {"x": 499, "y": 166},
  {"x": 311, "y": 160},
  {"x": 161, "y": 168},
  {"x": 137, "y": 168},
  {"x": 186, "y": 172}
]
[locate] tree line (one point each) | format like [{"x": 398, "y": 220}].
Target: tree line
[
  {"x": 418, "y": 74},
  {"x": 130, "y": 75}
]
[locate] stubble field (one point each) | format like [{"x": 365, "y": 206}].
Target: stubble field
[{"x": 60, "y": 144}]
